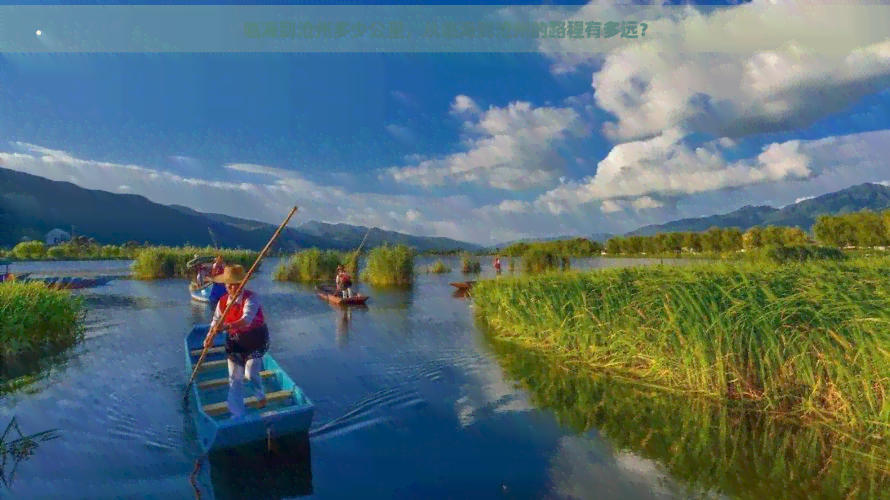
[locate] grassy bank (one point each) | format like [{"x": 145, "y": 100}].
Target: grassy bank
[
  {"x": 167, "y": 262},
  {"x": 38, "y": 251},
  {"x": 808, "y": 340},
  {"x": 35, "y": 317},
  {"x": 706, "y": 448},
  {"x": 390, "y": 266},
  {"x": 313, "y": 265}
]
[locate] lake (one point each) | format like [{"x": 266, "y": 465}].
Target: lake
[{"x": 412, "y": 402}]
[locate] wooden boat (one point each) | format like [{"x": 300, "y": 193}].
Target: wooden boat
[
  {"x": 330, "y": 295},
  {"x": 208, "y": 294},
  {"x": 72, "y": 283},
  {"x": 462, "y": 285},
  {"x": 7, "y": 276},
  {"x": 288, "y": 411}
]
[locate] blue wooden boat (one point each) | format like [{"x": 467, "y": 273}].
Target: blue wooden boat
[
  {"x": 208, "y": 294},
  {"x": 288, "y": 411}
]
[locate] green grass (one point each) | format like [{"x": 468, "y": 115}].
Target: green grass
[
  {"x": 313, "y": 265},
  {"x": 538, "y": 260},
  {"x": 741, "y": 454},
  {"x": 810, "y": 340},
  {"x": 168, "y": 262},
  {"x": 439, "y": 267},
  {"x": 38, "y": 251},
  {"x": 33, "y": 317},
  {"x": 470, "y": 264},
  {"x": 390, "y": 266}
]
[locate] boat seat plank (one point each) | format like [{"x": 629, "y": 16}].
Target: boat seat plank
[
  {"x": 222, "y": 408},
  {"x": 221, "y": 382},
  {"x": 213, "y": 365},
  {"x": 212, "y": 350}
]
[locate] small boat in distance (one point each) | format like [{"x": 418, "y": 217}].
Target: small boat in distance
[
  {"x": 462, "y": 285},
  {"x": 330, "y": 294},
  {"x": 69, "y": 282},
  {"x": 288, "y": 411},
  {"x": 6, "y": 276}
]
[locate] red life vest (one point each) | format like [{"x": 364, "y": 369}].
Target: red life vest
[
  {"x": 345, "y": 281},
  {"x": 237, "y": 310}
]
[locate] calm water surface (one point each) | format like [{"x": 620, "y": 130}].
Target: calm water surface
[{"x": 411, "y": 401}]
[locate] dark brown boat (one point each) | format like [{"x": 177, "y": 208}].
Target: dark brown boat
[
  {"x": 462, "y": 285},
  {"x": 333, "y": 297}
]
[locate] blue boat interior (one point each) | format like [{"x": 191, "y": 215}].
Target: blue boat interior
[{"x": 212, "y": 385}]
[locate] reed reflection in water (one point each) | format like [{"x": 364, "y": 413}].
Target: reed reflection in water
[{"x": 705, "y": 448}]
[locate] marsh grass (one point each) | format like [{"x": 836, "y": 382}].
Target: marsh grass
[
  {"x": 439, "y": 267},
  {"x": 314, "y": 265},
  {"x": 807, "y": 340},
  {"x": 470, "y": 264},
  {"x": 538, "y": 260},
  {"x": 33, "y": 317},
  {"x": 389, "y": 266},
  {"x": 707, "y": 448},
  {"x": 169, "y": 262}
]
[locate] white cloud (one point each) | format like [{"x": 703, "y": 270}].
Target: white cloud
[
  {"x": 463, "y": 104},
  {"x": 635, "y": 174},
  {"x": 515, "y": 149},
  {"x": 803, "y": 198},
  {"x": 760, "y": 66}
]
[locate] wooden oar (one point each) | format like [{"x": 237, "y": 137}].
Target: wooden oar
[{"x": 215, "y": 330}]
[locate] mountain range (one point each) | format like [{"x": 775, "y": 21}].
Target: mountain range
[{"x": 31, "y": 206}]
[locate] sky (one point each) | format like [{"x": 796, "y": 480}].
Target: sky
[{"x": 761, "y": 103}]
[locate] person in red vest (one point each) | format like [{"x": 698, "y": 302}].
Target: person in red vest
[
  {"x": 344, "y": 283},
  {"x": 497, "y": 265},
  {"x": 247, "y": 339}
]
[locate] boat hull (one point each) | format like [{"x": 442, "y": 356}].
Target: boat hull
[
  {"x": 288, "y": 415},
  {"x": 462, "y": 285},
  {"x": 71, "y": 283},
  {"x": 331, "y": 297},
  {"x": 209, "y": 294}
]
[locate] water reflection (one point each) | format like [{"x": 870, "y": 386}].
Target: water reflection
[
  {"x": 258, "y": 472},
  {"x": 342, "y": 318},
  {"x": 706, "y": 449}
]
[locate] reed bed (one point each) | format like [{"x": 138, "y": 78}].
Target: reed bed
[
  {"x": 438, "y": 267},
  {"x": 38, "y": 251},
  {"x": 706, "y": 448},
  {"x": 170, "y": 262},
  {"x": 314, "y": 265},
  {"x": 33, "y": 317},
  {"x": 809, "y": 340},
  {"x": 539, "y": 260},
  {"x": 390, "y": 266},
  {"x": 470, "y": 265}
]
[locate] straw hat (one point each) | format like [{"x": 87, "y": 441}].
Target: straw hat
[{"x": 231, "y": 275}]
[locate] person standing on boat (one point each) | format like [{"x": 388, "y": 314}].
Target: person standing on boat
[
  {"x": 247, "y": 339},
  {"x": 219, "y": 266},
  {"x": 344, "y": 283}
]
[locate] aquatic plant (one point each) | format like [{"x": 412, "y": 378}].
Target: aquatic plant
[
  {"x": 33, "y": 317},
  {"x": 172, "y": 262},
  {"x": 470, "y": 264},
  {"x": 314, "y": 265},
  {"x": 538, "y": 260},
  {"x": 389, "y": 266},
  {"x": 809, "y": 340},
  {"x": 15, "y": 450},
  {"x": 706, "y": 448},
  {"x": 439, "y": 267}
]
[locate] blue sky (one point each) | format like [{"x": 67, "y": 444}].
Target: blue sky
[{"x": 483, "y": 147}]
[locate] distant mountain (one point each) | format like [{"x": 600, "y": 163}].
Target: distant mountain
[
  {"x": 875, "y": 197},
  {"x": 31, "y": 206}
]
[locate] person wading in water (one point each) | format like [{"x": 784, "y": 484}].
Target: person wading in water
[
  {"x": 497, "y": 265},
  {"x": 247, "y": 339}
]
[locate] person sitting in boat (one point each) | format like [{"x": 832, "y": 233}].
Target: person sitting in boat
[
  {"x": 247, "y": 339},
  {"x": 344, "y": 283}
]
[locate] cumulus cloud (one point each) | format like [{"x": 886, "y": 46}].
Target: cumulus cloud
[
  {"x": 463, "y": 104},
  {"x": 670, "y": 166},
  {"x": 509, "y": 148},
  {"x": 756, "y": 67}
]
